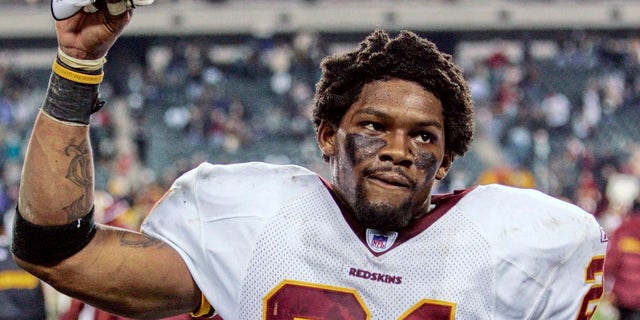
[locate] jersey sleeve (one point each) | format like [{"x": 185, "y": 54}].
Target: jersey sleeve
[
  {"x": 548, "y": 253},
  {"x": 213, "y": 215},
  {"x": 575, "y": 290},
  {"x": 576, "y": 286}
]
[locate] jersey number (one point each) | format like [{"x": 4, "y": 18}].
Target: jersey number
[
  {"x": 594, "y": 269},
  {"x": 294, "y": 300}
]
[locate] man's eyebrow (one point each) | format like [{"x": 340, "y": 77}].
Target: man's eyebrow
[
  {"x": 381, "y": 114},
  {"x": 373, "y": 112},
  {"x": 430, "y": 123}
]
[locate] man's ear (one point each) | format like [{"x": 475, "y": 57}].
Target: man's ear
[
  {"x": 326, "y": 139},
  {"x": 447, "y": 161}
]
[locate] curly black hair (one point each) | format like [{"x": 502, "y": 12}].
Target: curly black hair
[{"x": 407, "y": 57}]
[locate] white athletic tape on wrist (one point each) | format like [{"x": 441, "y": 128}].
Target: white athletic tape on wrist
[{"x": 82, "y": 64}]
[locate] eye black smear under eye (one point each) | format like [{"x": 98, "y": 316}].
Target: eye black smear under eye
[
  {"x": 360, "y": 147},
  {"x": 426, "y": 162}
]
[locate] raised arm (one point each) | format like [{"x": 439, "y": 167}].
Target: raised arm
[{"x": 54, "y": 236}]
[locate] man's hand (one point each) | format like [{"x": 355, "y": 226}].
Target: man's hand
[{"x": 90, "y": 35}]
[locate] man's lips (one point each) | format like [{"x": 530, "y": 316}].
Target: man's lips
[{"x": 391, "y": 178}]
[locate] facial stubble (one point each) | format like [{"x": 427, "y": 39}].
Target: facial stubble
[{"x": 381, "y": 214}]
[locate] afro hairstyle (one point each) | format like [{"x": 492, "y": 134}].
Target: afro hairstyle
[{"x": 406, "y": 57}]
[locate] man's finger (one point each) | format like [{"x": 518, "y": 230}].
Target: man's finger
[
  {"x": 90, "y": 8},
  {"x": 117, "y": 8}
]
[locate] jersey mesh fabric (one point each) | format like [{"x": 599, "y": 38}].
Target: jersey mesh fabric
[
  {"x": 275, "y": 235},
  {"x": 310, "y": 242}
]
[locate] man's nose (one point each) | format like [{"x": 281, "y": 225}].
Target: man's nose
[{"x": 399, "y": 149}]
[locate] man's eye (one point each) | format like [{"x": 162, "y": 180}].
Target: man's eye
[
  {"x": 373, "y": 126},
  {"x": 425, "y": 137}
]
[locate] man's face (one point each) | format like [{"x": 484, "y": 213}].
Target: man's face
[{"x": 387, "y": 152}]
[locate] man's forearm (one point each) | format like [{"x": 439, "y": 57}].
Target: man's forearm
[{"x": 57, "y": 177}]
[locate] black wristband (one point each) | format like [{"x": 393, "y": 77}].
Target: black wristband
[
  {"x": 67, "y": 100},
  {"x": 47, "y": 244}
]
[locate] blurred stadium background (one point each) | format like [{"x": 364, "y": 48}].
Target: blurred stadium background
[{"x": 555, "y": 83}]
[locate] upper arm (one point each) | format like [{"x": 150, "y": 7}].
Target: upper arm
[{"x": 126, "y": 273}]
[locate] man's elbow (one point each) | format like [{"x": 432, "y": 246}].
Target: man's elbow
[{"x": 43, "y": 272}]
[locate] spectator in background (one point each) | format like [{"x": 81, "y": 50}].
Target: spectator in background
[
  {"x": 622, "y": 265},
  {"x": 591, "y": 113},
  {"x": 21, "y": 294},
  {"x": 514, "y": 175},
  {"x": 557, "y": 112}
]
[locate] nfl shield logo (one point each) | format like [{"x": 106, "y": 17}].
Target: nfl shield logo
[{"x": 379, "y": 241}]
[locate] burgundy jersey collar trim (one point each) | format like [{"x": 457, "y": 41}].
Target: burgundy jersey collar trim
[{"x": 442, "y": 202}]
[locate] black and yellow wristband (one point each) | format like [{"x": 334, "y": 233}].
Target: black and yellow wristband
[
  {"x": 80, "y": 77},
  {"x": 72, "y": 95}
]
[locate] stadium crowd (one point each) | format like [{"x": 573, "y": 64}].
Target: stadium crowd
[
  {"x": 564, "y": 124},
  {"x": 38, "y": 2}
]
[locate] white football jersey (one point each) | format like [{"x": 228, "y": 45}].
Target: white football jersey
[{"x": 270, "y": 242}]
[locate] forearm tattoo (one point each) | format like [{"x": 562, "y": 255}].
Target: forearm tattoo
[{"x": 79, "y": 172}]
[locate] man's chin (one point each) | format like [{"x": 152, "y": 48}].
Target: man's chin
[
  {"x": 386, "y": 219},
  {"x": 384, "y": 226}
]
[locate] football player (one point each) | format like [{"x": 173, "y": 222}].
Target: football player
[{"x": 263, "y": 241}]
